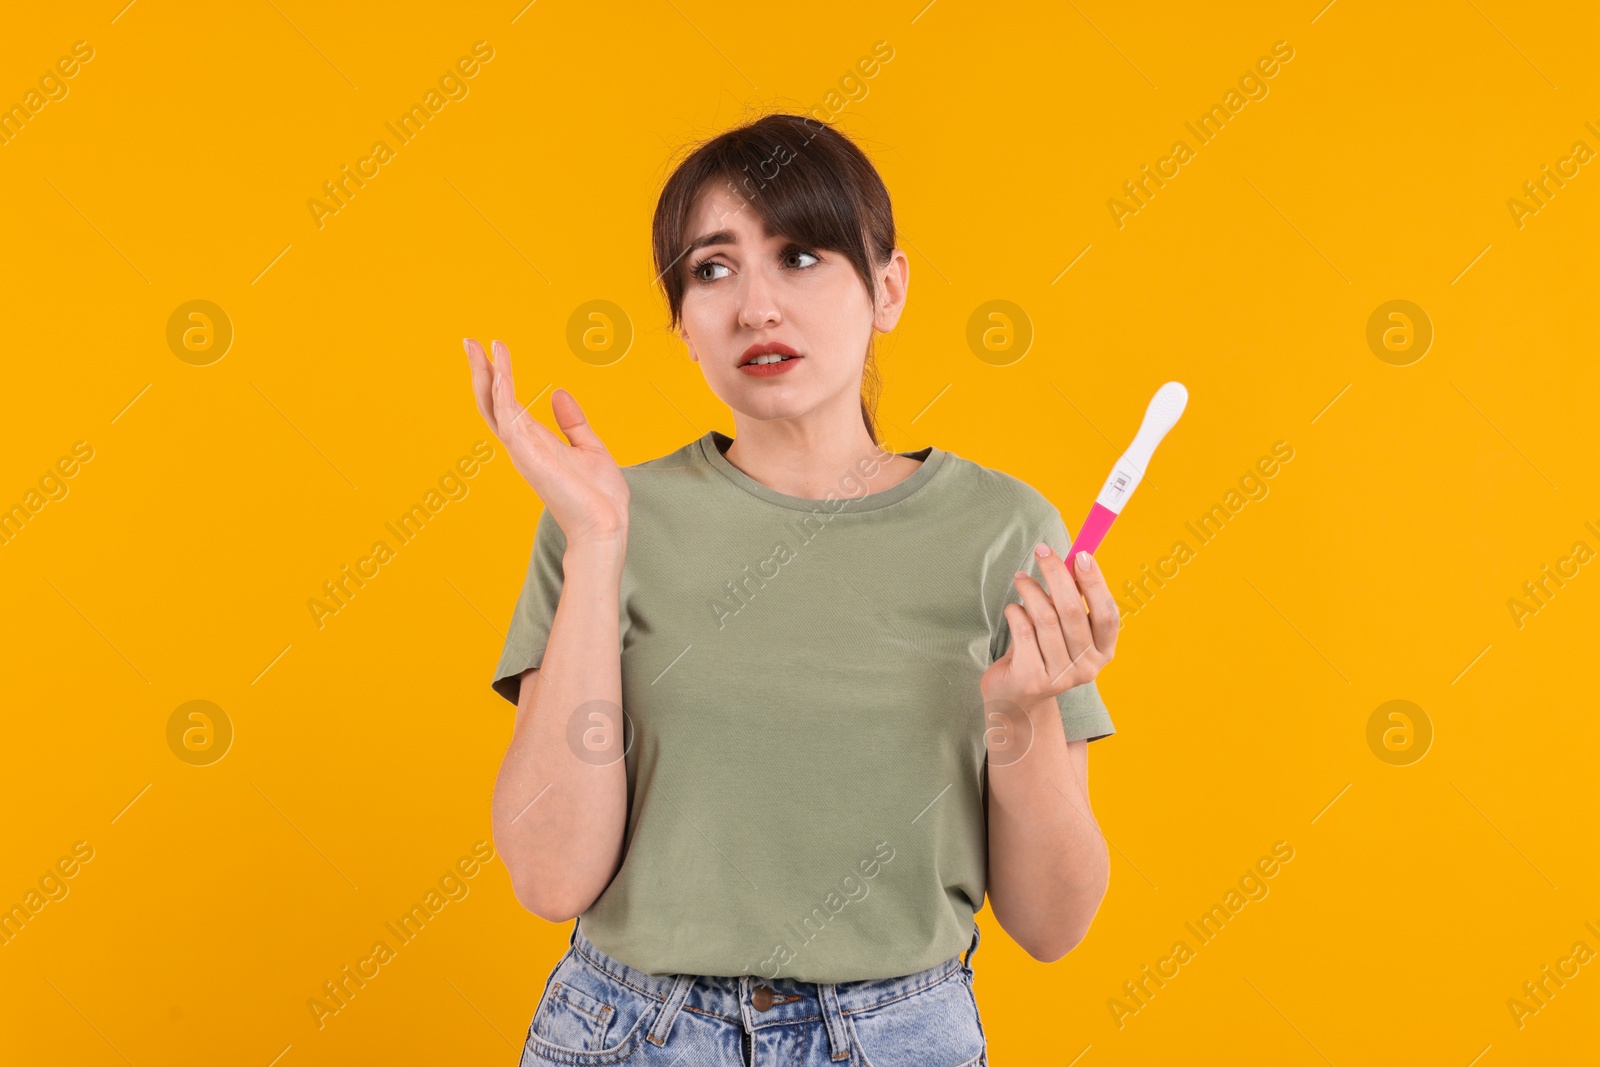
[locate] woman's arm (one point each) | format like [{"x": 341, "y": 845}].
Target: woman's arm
[
  {"x": 1048, "y": 865},
  {"x": 560, "y": 799}
]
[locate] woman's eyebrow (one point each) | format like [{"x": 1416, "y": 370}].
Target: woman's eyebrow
[{"x": 721, "y": 237}]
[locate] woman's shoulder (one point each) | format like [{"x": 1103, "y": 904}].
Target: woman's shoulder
[
  {"x": 685, "y": 461},
  {"x": 990, "y": 487}
]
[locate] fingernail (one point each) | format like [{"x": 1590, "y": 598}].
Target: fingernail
[
  {"x": 466, "y": 345},
  {"x": 1020, "y": 574},
  {"x": 1085, "y": 561},
  {"x": 499, "y": 349},
  {"x": 1042, "y": 550}
]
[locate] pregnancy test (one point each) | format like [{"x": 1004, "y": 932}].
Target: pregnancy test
[{"x": 1159, "y": 417}]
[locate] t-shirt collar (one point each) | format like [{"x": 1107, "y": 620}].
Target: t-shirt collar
[{"x": 846, "y": 498}]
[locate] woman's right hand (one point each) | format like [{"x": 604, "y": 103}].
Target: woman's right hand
[{"x": 579, "y": 482}]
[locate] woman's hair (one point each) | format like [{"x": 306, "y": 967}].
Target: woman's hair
[{"x": 804, "y": 180}]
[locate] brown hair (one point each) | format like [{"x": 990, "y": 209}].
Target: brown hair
[{"x": 803, "y": 179}]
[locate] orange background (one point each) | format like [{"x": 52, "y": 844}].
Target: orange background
[{"x": 1380, "y": 565}]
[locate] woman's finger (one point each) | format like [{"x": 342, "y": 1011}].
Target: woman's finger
[
  {"x": 508, "y": 413},
  {"x": 482, "y": 381},
  {"x": 570, "y": 417},
  {"x": 515, "y": 422},
  {"x": 1104, "y": 619},
  {"x": 1064, "y": 593},
  {"x": 1024, "y": 650},
  {"x": 1049, "y": 640}
]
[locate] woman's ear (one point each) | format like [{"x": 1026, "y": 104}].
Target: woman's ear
[
  {"x": 894, "y": 280},
  {"x": 683, "y": 333}
]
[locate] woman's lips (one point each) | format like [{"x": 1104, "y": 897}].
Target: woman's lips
[{"x": 770, "y": 370}]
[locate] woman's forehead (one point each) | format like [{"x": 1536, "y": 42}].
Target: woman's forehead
[{"x": 724, "y": 209}]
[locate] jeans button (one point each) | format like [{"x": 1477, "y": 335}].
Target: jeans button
[{"x": 761, "y": 998}]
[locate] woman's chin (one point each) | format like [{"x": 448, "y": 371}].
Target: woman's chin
[{"x": 771, "y": 406}]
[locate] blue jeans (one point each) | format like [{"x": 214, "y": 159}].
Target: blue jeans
[{"x": 595, "y": 1009}]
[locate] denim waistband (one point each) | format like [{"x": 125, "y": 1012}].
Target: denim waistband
[{"x": 734, "y": 997}]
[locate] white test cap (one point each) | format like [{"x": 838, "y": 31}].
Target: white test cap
[{"x": 1159, "y": 417}]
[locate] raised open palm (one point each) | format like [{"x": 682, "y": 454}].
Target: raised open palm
[{"x": 578, "y": 481}]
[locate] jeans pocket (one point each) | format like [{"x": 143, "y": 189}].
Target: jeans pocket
[
  {"x": 573, "y": 1019},
  {"x": 586, "y": 1017},
  {"x": 937, "y": 1026}
]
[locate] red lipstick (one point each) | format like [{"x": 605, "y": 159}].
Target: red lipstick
[{"x": 765, "y": 369}]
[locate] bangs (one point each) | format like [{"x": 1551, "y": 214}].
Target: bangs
[{"x": 797, "y": 199}]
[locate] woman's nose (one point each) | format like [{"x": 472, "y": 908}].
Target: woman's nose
[{"x": 758, "y": 305}]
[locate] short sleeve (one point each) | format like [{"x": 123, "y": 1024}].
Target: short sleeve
[
  {"x": 1083, "y": 712},
  {"x": 536, "y": 609}
]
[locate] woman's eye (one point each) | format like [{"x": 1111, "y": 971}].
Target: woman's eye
[
  {"x": 802, "y": 252},
  {"x": 699, "y": 270}
]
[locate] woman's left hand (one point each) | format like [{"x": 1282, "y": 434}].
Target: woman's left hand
[{"x": 1055, "y": 643}]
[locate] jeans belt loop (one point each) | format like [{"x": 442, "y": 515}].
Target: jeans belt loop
[
  {"x": 833, "y": 1016},
  {"x": 972, "y": 949},
  {"x": 669, "y": 1010}
]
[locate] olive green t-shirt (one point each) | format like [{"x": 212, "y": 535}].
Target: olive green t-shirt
[{"x": 800, "y": 677}]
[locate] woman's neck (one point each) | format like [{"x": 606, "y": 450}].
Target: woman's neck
[{"x": 812, "y": 467}]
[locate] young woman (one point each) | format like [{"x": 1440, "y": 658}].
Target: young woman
[{"x": 787, "y": 706}]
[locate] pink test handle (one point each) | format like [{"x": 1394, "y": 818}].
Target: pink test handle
[{"x": 1091, "y": 533}]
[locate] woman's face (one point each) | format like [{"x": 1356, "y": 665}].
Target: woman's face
[{"x": 745, "y": 288}]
